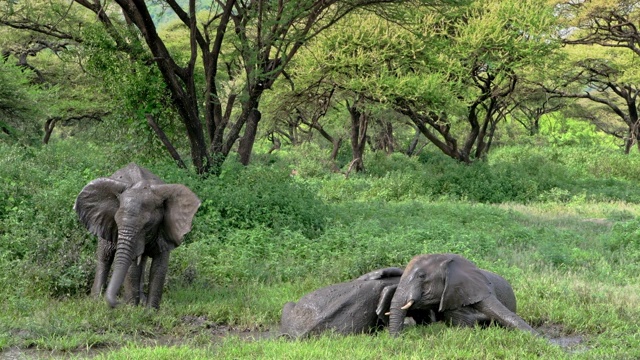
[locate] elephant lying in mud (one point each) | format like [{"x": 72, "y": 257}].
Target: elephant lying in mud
[
  {"x": 135, "y": 216},
  {"x": 357, "y": 306},
  {"x": 457, "y": 291}
]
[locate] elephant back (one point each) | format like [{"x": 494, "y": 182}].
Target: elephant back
[
  {"x": 501, "y": 289},
  {"x": 133, "y": 173},
  {"x": 344, "y": 308}
]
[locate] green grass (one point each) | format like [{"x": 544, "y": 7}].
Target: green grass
[
  {"x": 565, "y": 235},
  {"x": 555, "y": 255}
]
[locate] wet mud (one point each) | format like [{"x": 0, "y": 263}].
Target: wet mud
[{"x": 555, "y": 333}]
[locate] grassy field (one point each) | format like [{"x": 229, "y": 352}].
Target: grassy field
[{"x": 561, "y": 225}]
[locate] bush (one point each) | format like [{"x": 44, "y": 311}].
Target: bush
[
  {"x": 250, "y": 197},
  {"x": 39, "y": 231}
]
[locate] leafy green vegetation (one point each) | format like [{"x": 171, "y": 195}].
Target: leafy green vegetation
[
  {"x": 558, "y": 222},
  {"x": 18, "y": 104}
]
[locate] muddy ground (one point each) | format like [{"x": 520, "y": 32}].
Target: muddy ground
[{"x": 573, "y": 343}]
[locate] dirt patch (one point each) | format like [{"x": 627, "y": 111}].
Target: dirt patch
[
  {"x": 189, "y": 325},
  {"x": 558, "y": 335},
  {"x": 199, "y": 323}
]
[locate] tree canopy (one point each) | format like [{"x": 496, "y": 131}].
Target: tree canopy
[{"x": 201, "y": 76}]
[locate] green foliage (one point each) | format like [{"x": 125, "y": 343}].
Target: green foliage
[
  {"x": 136, "y": 88},
  {"x": 244, "y": 198},
  {"x": 39, "y": 233},
  {"x": 19, "y": 108},
  {"x": 435, "y": 176},
  {"x": 562, "y": 131},
  {"x": 308, "y": 220}
]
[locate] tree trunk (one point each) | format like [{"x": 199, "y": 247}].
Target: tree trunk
[
  {"x": 384, "y": 139},
  {"x": 359, "y": 123},
  {"x": 246, "y": 142},
  {"x": 276, "y": 143},
  {"x": 336, "y": 143},
  {"x": 411, "y": 149},
  {"x": 48, "y": 129},
  {"x": 628, "y": 142}
]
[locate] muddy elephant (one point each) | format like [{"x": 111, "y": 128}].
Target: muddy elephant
[
  {"x": 457, "y": 291},
  {"x": 135, "y": 216},
  {"x": 357, "y": 306}
]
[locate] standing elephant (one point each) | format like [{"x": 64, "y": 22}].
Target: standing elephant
[
  {"x": 357, "y": 306},
  {"x": 457, "y": 291},
  {"x": 135, "y": 215}
]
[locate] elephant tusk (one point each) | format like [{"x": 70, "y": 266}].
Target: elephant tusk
[
  {"x": 408, "y": 305},
  {"x": 388, "y": 313},
  {"x": 139, "y": 259}
]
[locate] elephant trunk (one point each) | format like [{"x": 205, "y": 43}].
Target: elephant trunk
[
  {"x": 398, "y": 311},
  {"x": 407, "y": 295},
  {"x": 121, "y": 263},
  {"x": 396, "y": 320},
  {"x": 496, "y": 310}
]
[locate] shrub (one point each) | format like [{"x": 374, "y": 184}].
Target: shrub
[{"x": 250, "y": 197}]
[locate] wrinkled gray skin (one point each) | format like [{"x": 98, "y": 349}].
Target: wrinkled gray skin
[
  {"x": 353, "y": 307},
  {"x": 457, "y": 291},
  {"x": 135, "y": 216}
]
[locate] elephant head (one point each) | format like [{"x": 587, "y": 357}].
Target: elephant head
[
  {"x": 449, "y": 284},
  {"x": 134, "y": 214}
]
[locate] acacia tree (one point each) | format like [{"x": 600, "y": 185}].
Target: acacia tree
[
  {"x": 602, "y": 82},
  {"x": 531, "y": 103},
  {"x": 451, "y": 72},
  {"x": 604, "y": 46},
  {"x": 296, "y": 113},
  {"x": 265, "y": 36}
]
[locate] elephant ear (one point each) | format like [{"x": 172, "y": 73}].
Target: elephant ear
[
  {"x": 97, "y": 204},
  {"x": 464, "y": 284},
  {"x": 180, "y": 205},
  {"x": 384, "y": 302}
]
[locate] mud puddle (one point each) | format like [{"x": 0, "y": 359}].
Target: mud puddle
[{"x": 557, "y": 335}]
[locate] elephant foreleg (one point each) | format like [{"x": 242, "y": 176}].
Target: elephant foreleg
[
  {"x": 465, "y": 317},
  {"x": 495, "y": 310},
  {"x": 105, "y": 253},
  {"x": 157, "y": 275},
  {"x": 133, "y": 287}
]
